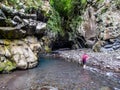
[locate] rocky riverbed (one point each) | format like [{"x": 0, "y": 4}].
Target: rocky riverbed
[{"x": 106, "y": 61}]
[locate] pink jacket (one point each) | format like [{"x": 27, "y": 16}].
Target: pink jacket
[{"x": 85, "y": 57}]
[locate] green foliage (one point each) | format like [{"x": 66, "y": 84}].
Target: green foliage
[
  {"x": 67, "y": 16},
  {"x": 54, "y": 23},
  {"x": 63, "y": 7},
  {"x": 83, "y": 3},
  {"x": 99, "y": 1},
  {"x": 76, "y": 21},
  {"x": 29, "y": 4},
  {"x": 33, "y": 3},
  {"x": 7, "y": 66},
  {"x": 8, "y": 22},
  {"x": 104, "y": 10},
  {"x": 13, "y": 2},
  {"x": 47, "y": 49}
]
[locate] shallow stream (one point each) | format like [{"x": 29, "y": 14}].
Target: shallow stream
[{"x": 57, "y": 74}]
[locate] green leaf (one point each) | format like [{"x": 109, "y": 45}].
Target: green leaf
[{"x": 83, "y": 1}]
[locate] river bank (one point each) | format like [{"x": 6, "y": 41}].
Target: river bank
[{"x": 106, "y": 61}]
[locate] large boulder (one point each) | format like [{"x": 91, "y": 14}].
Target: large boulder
[
  {"x": 22, "y": 54},
  {"x": 7, "y": 66}
]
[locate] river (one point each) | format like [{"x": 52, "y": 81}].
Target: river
[{"x": 57, "y": 74}]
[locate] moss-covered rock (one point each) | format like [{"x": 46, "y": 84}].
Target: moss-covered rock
[
  {"x": 7, "y": 66},
  {"x": 22, "y": 54}
]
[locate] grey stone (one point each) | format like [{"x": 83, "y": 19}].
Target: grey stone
[
  {"x": 108, "y": 46},
  {"x": 40, "y": 28},
  {"x": 17, "y": 19},
  {"x": 115, "y": 47}
]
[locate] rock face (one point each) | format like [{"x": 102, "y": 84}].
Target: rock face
[
  {"x": 10, "y": 33},
  {"x": 88, "y": 27},
  {"x": 110, "y": 24},
  {"x": 22, "y": 53},
  {"x": 16, "y": 23},
  {"x": 19, "y": 30},
  {"x": 101, "y": 20}
]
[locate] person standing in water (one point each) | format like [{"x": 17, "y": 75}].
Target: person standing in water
[{"x": 85, "y": 57}]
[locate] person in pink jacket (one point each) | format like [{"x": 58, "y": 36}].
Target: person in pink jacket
[{"x": 85, "y": 57}]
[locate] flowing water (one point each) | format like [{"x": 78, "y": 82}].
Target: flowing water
[{"x": 56, "y": 74}]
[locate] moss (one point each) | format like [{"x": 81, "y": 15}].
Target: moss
[
  {"x": 7, "y": 42},
  {"x": 7, "y": 66},
  {"x": 104, "y": 10},
  {"x": 7, "y": 47},
  {"x": 47, "y": 49},
  {"x": 8, "y": 22},
  {"x": 10, "y": 34},
  {"x": 2, "y": 66}
]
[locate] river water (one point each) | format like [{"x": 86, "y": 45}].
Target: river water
[{"x": 57, "y": 74}]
